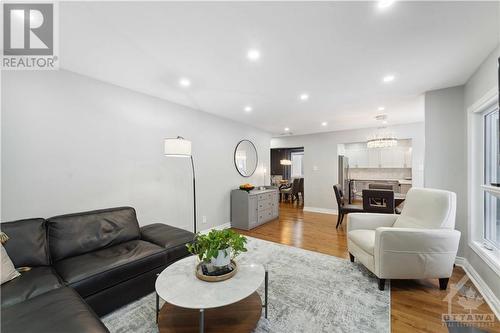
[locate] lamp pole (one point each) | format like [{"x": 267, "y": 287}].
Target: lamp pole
[
  {"x": 194, "y": 194},
  {"x": 180, "y": 147}
]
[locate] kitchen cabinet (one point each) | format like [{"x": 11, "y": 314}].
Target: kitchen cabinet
[
  {"x": 404, "y": 188},
  {"x": 374, "y": 157},
  {"x": 392, "y": 157}
]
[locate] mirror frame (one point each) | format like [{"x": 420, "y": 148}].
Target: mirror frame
[{"x": 256, "y": 159}]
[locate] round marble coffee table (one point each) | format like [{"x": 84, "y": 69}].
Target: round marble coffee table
[{"x": 185, "y": 295}]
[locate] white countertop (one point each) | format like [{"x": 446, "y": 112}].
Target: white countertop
[{"x": 400, "y": 181}]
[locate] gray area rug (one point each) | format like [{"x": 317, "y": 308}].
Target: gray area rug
[{"x": 308, "y": 292}]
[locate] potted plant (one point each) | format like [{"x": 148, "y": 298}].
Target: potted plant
[{"x": 217, "y": 247}]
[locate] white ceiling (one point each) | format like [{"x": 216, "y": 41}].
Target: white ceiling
[{"x": 337, "y": 52}]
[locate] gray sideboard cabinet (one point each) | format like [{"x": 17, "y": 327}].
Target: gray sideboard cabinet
[{"x": 253, "y": 208}]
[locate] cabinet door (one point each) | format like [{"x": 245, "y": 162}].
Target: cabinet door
[
  {"x": 253, "y": 215},
  {"x": 407, "y": 157},
  {"x": 405, "y": 188},
  {"x": 363, "y": 158},
  {"x": 399, "y": 157},
  {"x": 373, "y": 157},
  {"x": 386, "y": 158},
  {"x": 352, "y": 155}
]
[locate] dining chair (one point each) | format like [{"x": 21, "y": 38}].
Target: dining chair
[
  {"x": 378, "y": 201},
  {"x": 343, "y": 208},
  {"x": 292, "y": 191},
  {"x": 301, "y": 188}
]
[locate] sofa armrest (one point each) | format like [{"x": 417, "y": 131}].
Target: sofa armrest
[
  {"x": 415, "y": 253},
  {"x": 165, "y": 235},
  {"x": 369, "y": 221}
]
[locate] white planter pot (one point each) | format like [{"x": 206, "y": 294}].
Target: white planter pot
[{"x": 222, "y": 259}]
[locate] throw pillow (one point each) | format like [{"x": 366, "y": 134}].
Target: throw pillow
[{"x": 8, "y": 271}]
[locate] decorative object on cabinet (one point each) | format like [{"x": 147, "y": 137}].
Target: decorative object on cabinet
[
  {"x": 247, "y": 187},
  {"x": 180, "y": 147},
  {"x": 245, "y": 158},
  {"x": 250, "y": 209}
]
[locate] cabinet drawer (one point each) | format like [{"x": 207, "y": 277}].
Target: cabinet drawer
[
  {"x": 265, "y": 204},
  {"x": 265, "y": 196},
  {"x": 265, "y": 215}
]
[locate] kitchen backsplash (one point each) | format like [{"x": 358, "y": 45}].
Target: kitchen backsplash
[{"x": 379, "y": 173}]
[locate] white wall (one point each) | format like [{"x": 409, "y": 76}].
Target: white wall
[
  {"x": 446, "y": 149},
  {"x": 320, "y": 153},
  {"x": 482, "y": 81},
  {"x": 71, "y": 143}
]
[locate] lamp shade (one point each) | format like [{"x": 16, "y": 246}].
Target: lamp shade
[
  {"x": 285, "y": 162},
  {"x": 178, "y": 147}
]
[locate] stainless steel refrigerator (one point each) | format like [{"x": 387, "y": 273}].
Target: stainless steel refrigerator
[{"x": 343, "y": 179}]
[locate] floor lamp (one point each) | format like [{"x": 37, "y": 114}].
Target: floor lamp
[{"x": 180, "y": 147}]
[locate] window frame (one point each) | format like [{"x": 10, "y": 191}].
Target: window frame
[{"x": 476, "y": 179}]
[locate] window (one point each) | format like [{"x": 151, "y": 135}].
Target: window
[
  {"x": 483, "y": 228},
  {"x": 491, "y": 227},
  {"x": 297, "y": 166}
]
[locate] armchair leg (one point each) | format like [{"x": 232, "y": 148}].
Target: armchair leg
[
  {"x": 443, "y": 283},
  {"x": 381, "y": 284},
  {"x": 351, "y": 257}
]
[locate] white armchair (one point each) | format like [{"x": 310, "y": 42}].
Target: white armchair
[{"x": 420, "y": 243}]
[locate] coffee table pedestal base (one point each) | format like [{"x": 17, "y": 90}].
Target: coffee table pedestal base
[{"x": 242, "y": 316}]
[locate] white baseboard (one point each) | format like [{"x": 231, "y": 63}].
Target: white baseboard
[
  {"x": 479, "y": 283},
  {"x": 217, "y": 227},
  {"x": 321, "y": 210}
]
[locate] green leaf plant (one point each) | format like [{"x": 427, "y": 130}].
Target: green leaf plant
[{"x": 207, "y": 246}]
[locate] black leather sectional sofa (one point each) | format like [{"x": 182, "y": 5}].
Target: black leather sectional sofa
[{"x": 83, "y": 266}]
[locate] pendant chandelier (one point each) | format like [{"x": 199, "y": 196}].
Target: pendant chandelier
[{"x": 382, "y": 138}]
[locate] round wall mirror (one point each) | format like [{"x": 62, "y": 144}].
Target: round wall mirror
[{"x": 245, "y": 158}]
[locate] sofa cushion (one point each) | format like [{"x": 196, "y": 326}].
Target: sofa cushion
[
  {"x": 74, "y": 234},
  {"x": 57, "y": 311},
  {"x": 365, "y": 239},
  {"x": 32, "y": 283},
  {"x": 27, "y": 244},
  {"x": 171, "y": 238},
  {"x": 95, "y": 271}
]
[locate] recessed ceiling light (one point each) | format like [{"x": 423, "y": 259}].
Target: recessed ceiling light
[
  {"x": 304, "y": 97},
  {"x": 324, "y": 123},
  {"x": 287, "y": 129},
  {"x": 388, "y": 78},
  {"x": 183, "y": 82},
  {"x": 253, "y": 55},
  {"x": 381, "y": 108},
  {"x": 384, "y": 122},
  {"x": 385, "y": 3},
  {"x": 248, "y": 108}
]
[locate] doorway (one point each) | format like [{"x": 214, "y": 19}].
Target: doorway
[{"x": 287, "y": 173}]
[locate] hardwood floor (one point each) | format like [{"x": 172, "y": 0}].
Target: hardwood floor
[{"x": 416, "y": 305}]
